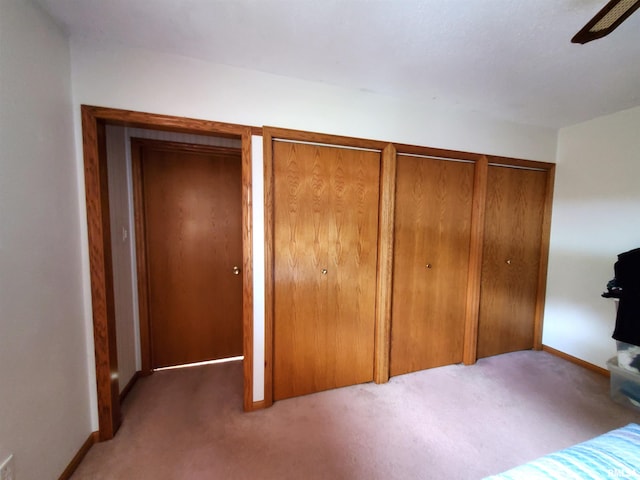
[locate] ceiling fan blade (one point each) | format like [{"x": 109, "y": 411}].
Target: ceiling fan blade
[{"x": 606, "y": 20}]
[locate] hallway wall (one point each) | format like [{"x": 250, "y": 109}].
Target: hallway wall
[{"x": 44, "y": 379}]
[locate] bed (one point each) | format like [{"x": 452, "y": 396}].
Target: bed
[{"x": 613, "y": 455}]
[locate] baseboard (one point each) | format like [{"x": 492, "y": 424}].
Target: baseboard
[
  {"x": 125, "y": 391},
  {"x": 84, "y": 449},
  {"x": 260, "y": 405},
  {"x": 577, "y": 361}
]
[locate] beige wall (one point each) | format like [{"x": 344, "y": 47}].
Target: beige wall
[
  {"x": 596, "y": 216},
  {"x": 134, "y": 79},
  {"x": 147, "y": 81},
  {"x": 47, "y": 399},
  {"x": 46, "y": 342},
  {"x": 44, "y": 388}
]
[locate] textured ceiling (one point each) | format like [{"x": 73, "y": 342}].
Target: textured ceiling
[{"x": 511, "y": 59}]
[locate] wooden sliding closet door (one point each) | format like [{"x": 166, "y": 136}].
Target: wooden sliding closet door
[
  {"x": 431, "y": 259},
  {"x": 514, "y": 215},
  {"x": 325, "y": 263}
]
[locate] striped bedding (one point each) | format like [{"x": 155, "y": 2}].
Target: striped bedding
[{"x": 614, "y": 455}]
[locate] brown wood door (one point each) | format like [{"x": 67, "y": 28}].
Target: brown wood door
[
  {"x": 325, "y": 242},
  {"x": 193, "y": 239},
  {"x": 511, "y": 259},
  {"x": 431, "y": 259}
]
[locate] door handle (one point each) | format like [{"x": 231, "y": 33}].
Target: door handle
[{"x": 236, "y": 270}]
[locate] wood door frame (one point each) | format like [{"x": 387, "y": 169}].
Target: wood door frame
[
  {"x": 94, "y": 121},
  {"x": 146, "y": 352}
]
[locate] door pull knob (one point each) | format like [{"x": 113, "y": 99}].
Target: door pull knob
[
  {"x": 236, "y": 270},
  {"x": 323, "y": 271},
  {"x": 508, "y": 262},
  {"x": 428, "y": 265}
]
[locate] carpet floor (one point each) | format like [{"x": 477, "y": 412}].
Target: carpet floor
[{"x": 453, "y": 422}]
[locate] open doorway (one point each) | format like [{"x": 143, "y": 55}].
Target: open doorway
[
  {"x": 94, "y": 122},
  {"x": 188, "y": 217}
]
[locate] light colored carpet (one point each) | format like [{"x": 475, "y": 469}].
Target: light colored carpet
[{"x": 452, "y": 422}]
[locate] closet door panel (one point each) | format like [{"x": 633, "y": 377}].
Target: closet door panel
[
  {"x": 352, "y": 261},
  {"x": 325, "y": 237},
  {"x": 511, "y": 259},
  {"x": 300, "y": 236},
  {"x": 431, "y": 258}
]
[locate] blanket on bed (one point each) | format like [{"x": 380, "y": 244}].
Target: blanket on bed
[{"x": 613, "y": 455}]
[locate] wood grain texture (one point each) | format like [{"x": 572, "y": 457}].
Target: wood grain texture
[
  {"x": 436, "y": 153},
  {"x": 544, "y": 260},
  {"x": 97, "y": 203},
  {"x": 325, "y": 260},
  {"x": 430, "y": 267},
  {"x": 109, "y": 293},
  {"x": 247, "y": 262},
  {"x": 475, "y": 262},
  {"x": 518, "y": 162},
  {"x": 269, "y": 253},
  {"x": 515, "y": 204},
  {"x": 300, "y": 136},
  {"x": 259, "y": 405},
  {"x": 192, "y": 200},
  {"x": 101, "y": 291},
  {"x": 171, "y": 123},
  {"x": 385, "y": 265}
]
